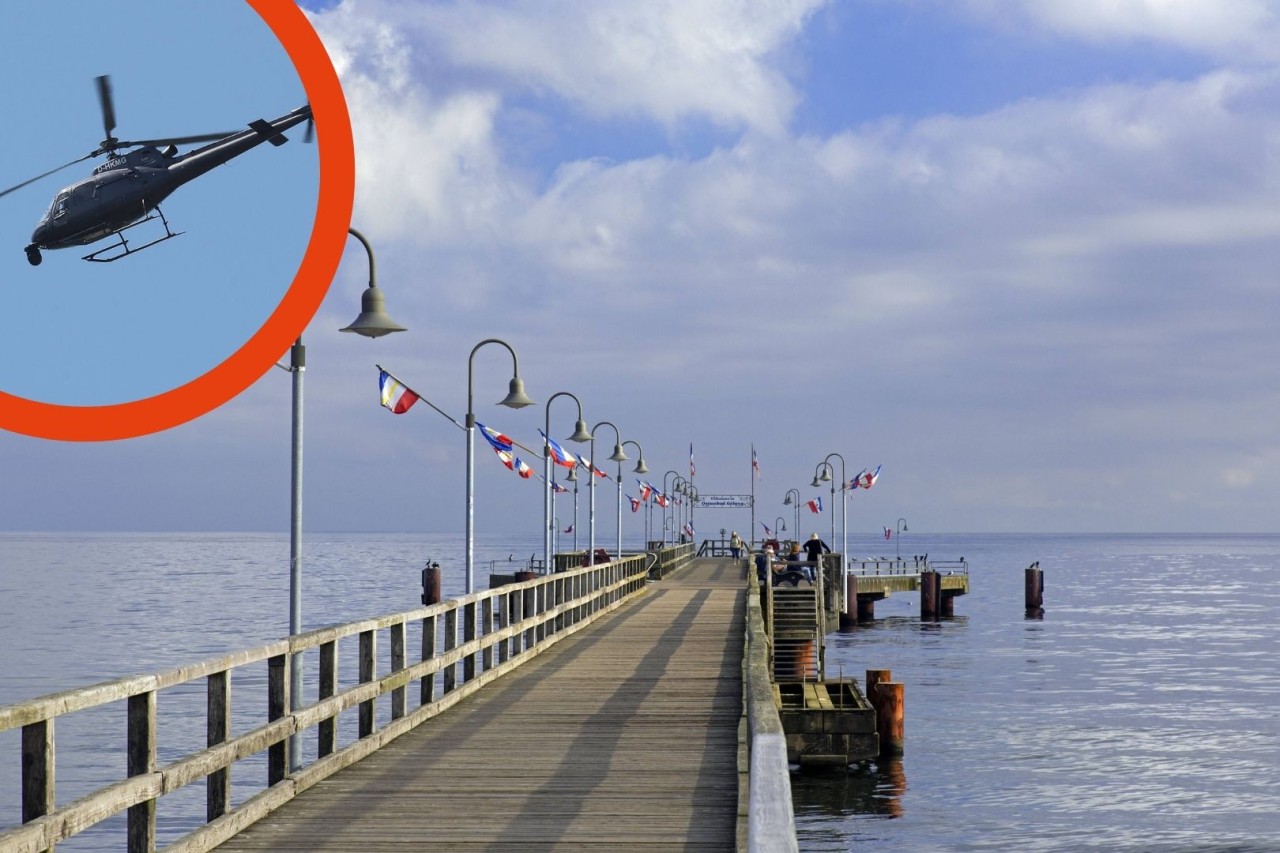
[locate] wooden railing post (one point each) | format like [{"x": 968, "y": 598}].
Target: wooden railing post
[
  {"x": 217, "y": 796},
  {"x": 327, "y": 730},
  {"x": 397, "y": 664},
  {"x": 37, "y": 770},
  {"x": 368, "y": 665},
  {"x": 486, "y": 630},
  {"x": 427, "y": 684},
  {"x": 277, "y": 705},
  {"x": 468, "y": 634},
  {"x": 450, "y": 643},
  {"x": 142, "y": 759},
  {"x": 504, "y": 619}
]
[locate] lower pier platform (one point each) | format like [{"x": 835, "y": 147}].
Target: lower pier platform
[{"x": 827, "y": 723}]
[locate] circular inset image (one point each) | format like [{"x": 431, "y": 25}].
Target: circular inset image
[{"x": 175, "y": 193}]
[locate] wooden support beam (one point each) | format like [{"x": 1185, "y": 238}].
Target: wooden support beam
[
  {"x": 218, "y": 730},
  {"x": 397, "y": 664},
  {"x": 142, "y": 761},
  {"x": 327, "y": 730},
  {"x": 368, "y": 668}
]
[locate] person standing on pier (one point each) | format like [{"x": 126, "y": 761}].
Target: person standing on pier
[
  {"x": 735, "y": 544},
  {"x": 815, "y": 548}
]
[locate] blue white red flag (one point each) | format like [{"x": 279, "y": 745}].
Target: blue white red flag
[
  {"x": 557, "y": 488},
  {"x": 688, "y": 529},
  {"x": 888, "y": 533},
  {"x": 815, "y": 505},
  {"x": 767, "y": 531},
  {"x": 635, "y": 503},
  {"x": 661, "y": 500},
  {"x": 515, "y": 463},
  {"x": 645, "y": 489},
  {"x": 755, "y": 463},
  {"x": 523, "y": 469},
  {"x": 868, "y": 479},
  {"x": 569, "y": 529},
  {"x": 693, "y": 470},
  {"x": 495, "y": 438},
  {"x": 396, "y": 396},
  {"x": 559, "y": 455}
]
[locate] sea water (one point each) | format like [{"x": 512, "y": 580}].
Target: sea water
[{"x": 1140, "y": 712}]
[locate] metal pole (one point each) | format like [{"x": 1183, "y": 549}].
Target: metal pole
[
  {"x": 591, "y": 507},
  {"x": 471, "y": 485},
  {"x": 575, "y": 516},
  {"x": 617, "y": 554},
  {"x": 297, "y": 366}
]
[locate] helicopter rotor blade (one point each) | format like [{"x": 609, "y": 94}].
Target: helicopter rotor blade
[
  {"x": 108, "y": 105},
  {"x": 177, "y": 140},
  {"x": 45, "y": 175}
]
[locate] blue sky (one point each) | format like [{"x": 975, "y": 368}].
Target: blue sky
[
  {"x": 1021, "y": 254},
  {"x": 89, "y": 334}
]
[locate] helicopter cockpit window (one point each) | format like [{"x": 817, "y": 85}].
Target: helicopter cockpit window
[{"x": 60, "y": 204}]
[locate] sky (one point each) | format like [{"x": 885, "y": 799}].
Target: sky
[
  {"x": 81, "y": 333},
  {"x": 1019, "y": 254}
]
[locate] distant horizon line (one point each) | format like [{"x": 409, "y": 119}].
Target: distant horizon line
[{"x": 537, "y": 533}]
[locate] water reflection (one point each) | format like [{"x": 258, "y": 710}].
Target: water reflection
[{"x": 871, "y": 789}]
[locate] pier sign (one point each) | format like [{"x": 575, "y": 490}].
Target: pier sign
[{"x": 724, "y": 501}]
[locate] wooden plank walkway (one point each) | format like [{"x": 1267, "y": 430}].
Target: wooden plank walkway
[{"x": 623, "y": 736}]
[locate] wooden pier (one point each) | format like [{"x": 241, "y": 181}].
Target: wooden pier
[{"x": 624, "y": 735}]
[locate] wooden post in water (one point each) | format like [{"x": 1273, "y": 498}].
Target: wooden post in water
[
  {"x": 849, "y": 618},
  {"x": 889, "y": 717},
  {"x": 930, "y": 589},
  {"x": 874, "y": 677},
  {"x": 431, "y": 584},
  {"x": 1034, "y": 590}
]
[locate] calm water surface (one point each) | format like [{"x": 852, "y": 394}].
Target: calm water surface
[{"x": 1142, "y": 712}]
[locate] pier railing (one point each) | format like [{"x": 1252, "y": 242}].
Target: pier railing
[
  {"x": 882, "y": 566},
  {"x": 766, "y": 796},
  {"x": 500, "y": 629}
]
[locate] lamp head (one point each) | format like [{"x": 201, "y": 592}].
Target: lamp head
[
  {"x": 618, "y": 455},
  {"x": 817, "y": 481},
  {"x": 373, "y": 321},
  {"x": 516, "y": 398},
  {"x": 642, "y": 468},
  {"x": 826, "y": 474},
  {"x": 787, "y": 502},
  {"x": 580, "y": 432},
  {"x": 572, "y": 476}
]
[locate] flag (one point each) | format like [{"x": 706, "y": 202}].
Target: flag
[
  {"x": 635, "y": 503},
  {"x": 515, "y": 463},
  {"x": 688, "y": 529},
  {"x": 395, "y": 395},
  {"x": 559, "y": 455},
  {"x": 852, "y": 484},
  {"x": 557, "y": 488},
  {"x": 815, "y": 505},
  {"x": 755, "y": 463},
  {"x": 569, "y": 529},
  {"x": 868, "y": 479},
  {"x": 767, "y": 531},
  {"x": 692, "y": 469},
  {"x": 593, "y": 469},
  {"x": 645, "y": 489},
  {"x": 495, "y": 438},
  {"x": 888, "y": 532},
  {"x": 661, "y": 500}
]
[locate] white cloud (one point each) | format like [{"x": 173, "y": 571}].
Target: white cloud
[{"x": 1231, "y": 30}]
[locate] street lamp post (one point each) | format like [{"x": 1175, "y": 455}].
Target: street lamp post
[
  {"x": 782, "y": 525},
  {"x": 515, "y": 399},
  {"x": 572, "y": 477},
  {"x": 897, "y": 536},
  {"x": 827, "y": 474},
  {"x": 580, "y": 434},
  {"x": 788, "y": 502},
  {"x": 372, "y": 322},
  {"x": 640, "y": 468},
  {"x": 618, "y": 456},
  {"x": 667, "y": 497}
]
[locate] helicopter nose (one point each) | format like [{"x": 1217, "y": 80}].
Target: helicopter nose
[{"x": 38, "y": 235}]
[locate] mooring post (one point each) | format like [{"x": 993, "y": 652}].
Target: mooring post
[
  {"x": 1034, "y": 590},
  {"x": 431, "y": 584},
  {"x": 929, "y": 589},
  {"x": 874, "y": 677},
  {"x": 889, "y": 717},
  {"x": 849, "y": 618}
]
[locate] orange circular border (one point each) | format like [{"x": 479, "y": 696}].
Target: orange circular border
[{"x": 319, "y": 265}]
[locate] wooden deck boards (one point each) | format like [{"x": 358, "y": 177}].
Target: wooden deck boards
[{"x": 623, "y": 736}]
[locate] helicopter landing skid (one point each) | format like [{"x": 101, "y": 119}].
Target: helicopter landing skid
[{"x": 122, "y": 248}]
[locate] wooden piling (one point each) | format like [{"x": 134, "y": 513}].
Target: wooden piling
[
  {"x": 930, "y": 589},
  {"x": 431, "y": 585},
  {"x": 874, "y": 677},
  {"x": 1034, "y": 590},
  {"x": 866, "y": 609},
  {"x": 889, "y": 707},
  {"x": 849, "y": 618}
]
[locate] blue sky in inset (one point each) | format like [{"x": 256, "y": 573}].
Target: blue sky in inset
[{"x": 85, "y": 333}]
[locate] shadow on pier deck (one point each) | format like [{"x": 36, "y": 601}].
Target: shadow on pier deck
[{"x": 624, "y": 734}]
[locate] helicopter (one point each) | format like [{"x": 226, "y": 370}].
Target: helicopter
[{"x": 126, "y": 190}]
